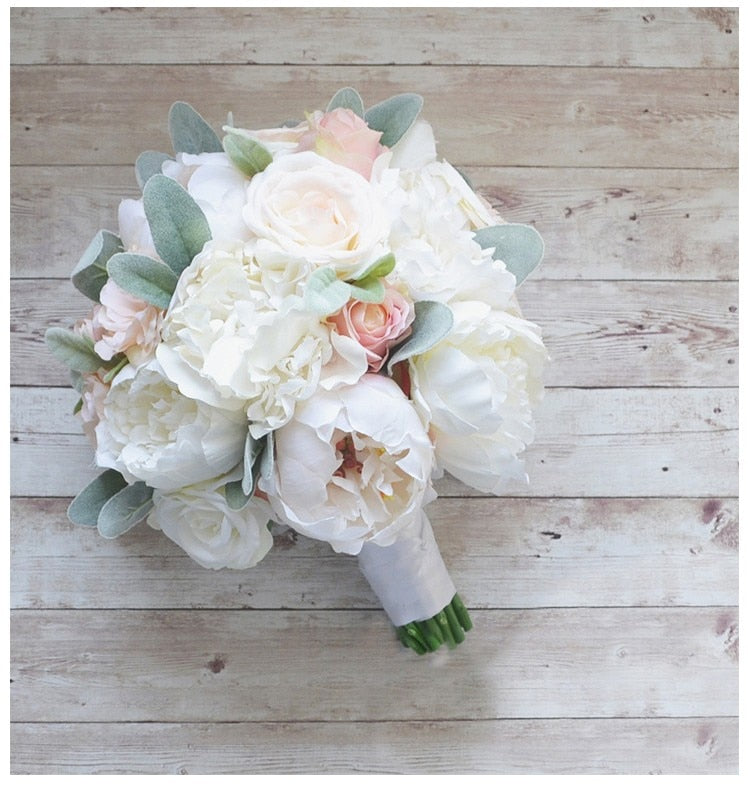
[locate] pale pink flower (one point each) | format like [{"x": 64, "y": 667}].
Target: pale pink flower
[
  {"x": 344, "y": 138},
  {"x": 376, "y": 326},
  {"x": 123, "y": 323},
  {"x": 94, "y": 392}
]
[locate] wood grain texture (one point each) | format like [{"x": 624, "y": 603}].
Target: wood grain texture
[
  {"x": 639, "y": 448},
  {"x": 599, "y": 334},
  {"x": 489, "y": 36},
  {"x": 604, "y": 595},
  {"x": 204, "y": 666},
  {"x": 506, "y": 553},
  {"x": 611, "y": 117},
  {"x": 704, "y": 745},
  {"x": 639, "y": 224}
]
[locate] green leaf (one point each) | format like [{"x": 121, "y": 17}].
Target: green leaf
[
  {"x": 394, "y": 116},
  {"x": 347, "y": 98},
  {"x": 78, "y": 406},
  {"x": 76, "y": 351},
  {"x": 190, "y": 133},
  {"x": 85, "y": 508},
  {"x": 235, "y": 496},
  {"x": 519, "y": 246},
  {"x": 433, "y": 321},
  {"x": 383, "y": 266},
  {"x": 123, "y": 510},
  {"x": 90, "y": 274},
  {"x": 247, "y": 155},
  {"x": 325, "y": 293},
  {"x": 148, "y": 164},
  {"x": 368, "y": 290},
  {"x": 268, "y": 457},
  {"x": 76, "y": 381},
  {"x": 143, "y": 277},
  {"x": 179, "y": 228},
  {"x": 252, "y": 450}
]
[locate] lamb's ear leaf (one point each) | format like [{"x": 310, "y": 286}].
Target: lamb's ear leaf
[
  {"x": 383, "y": 266},
  {"x": 519, "y": 246},
  {"x": 347, "y": 98},
  {"x": 143, "y": 277},
  {"x": 325, "y": 293},
  {"x": 394, "y": 116},
  {"x": 76, "y": 351},
  {"x": 247, "y": 155},
  {"x": 190, "y": 133},
  {"x": 123, "y": 510},
  {"x": 148, "y": 164},
  {"x": 268, "y": 457},
  {"x": 86, "y": 506},
  {"x": 90, "y": 275},
  {"x": 433, "y": 321},
  {"x": 368, "y": 290},
  {"x": 178, "y": 226}
]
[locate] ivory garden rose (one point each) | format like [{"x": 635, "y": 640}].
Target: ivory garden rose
[{"x": 199, "y": 520}]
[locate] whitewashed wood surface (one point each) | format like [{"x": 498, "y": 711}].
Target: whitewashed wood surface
[{"x": 604, "y": 595}]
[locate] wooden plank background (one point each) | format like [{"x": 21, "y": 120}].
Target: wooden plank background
[{"x": 604, "y": 595}]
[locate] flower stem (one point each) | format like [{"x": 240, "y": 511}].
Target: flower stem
[{"x": 448, "y": 626}]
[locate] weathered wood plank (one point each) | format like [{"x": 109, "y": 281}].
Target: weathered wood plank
[
  {"x": 179, "y": 666},
  {"x": 613, "y": 117},
  {"x": 669, "y": 37},
  {"x": 505, "y": 553},
  {"x": 597, "y": 224},
  {"x": 701, "y": 463},
  {"x": 705, "y": 745},
  {"x": 599, "y": 334},
  {"x": 605, "y": 442}
]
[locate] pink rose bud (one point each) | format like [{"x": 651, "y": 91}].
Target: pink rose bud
[
  {"x": 376, "y": 326},
  {"x": 344, "y": 138}
]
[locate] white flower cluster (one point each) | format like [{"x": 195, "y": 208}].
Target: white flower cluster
[{"x": 243, "y": 359}]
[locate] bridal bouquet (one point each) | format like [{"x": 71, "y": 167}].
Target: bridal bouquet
[{"x": 305, "y": 325}]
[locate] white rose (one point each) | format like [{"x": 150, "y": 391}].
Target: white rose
[
  {"x": 432, "y": 239},
  {"x": 199, "y": 520},
  {"x": 309, "y": 207},
  {"x": 353, "y": 466},
  {"x": 476, "y": 389},
  {"x": 236, "y": 337},
  {"x": 151, "y": 432},
  {"x": 217, "y": 186}
]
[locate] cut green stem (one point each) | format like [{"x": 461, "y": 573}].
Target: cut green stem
[{"x": 448, "y": 626}]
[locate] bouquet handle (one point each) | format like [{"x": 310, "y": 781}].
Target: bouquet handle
[{"x": 411, "y": 581}]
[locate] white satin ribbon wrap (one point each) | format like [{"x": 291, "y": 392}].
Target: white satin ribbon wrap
[{"x": 409, "y": 576}]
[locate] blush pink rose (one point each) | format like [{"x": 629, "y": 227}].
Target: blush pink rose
[
  {"x": 123, "y": 323},
  {"x": 344, "y": 138},
  {"x": 376, "y": 326}
]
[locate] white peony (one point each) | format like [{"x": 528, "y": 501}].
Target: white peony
[
  {"x": 476, "y": 389},
  {"x": 199, "y": 520},
  {"x": 217, "y": 186},
  {"x": 235, "y": 336},
  {"x": 432, "y": 239},
  {"x": 352, "y": 466},
  {"x": 151, "y": 432},
  {"x": 307, "y": 207}
]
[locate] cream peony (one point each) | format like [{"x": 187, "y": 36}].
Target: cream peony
[
  {"x": 352, "y": 466},
  {"x": 236, "y": 337},
  {"x": 432, "y": 239},
  {"x": 123, "y": 323},
  {"x": 134, "y": 230},
  {"x": 476, "y": 389},
  {"x": 219, "y": 189},
  {"x": 308, "y": 207},
  {"x": 151, "y": 432},
  {"x": 199, "y": 520}
]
